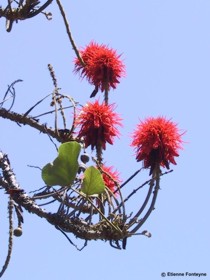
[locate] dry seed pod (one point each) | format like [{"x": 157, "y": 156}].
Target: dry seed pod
[
  {"x": 18, "y": 231},
  {"x": 85, "y": 158}
]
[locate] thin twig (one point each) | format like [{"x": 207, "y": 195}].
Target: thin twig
[
  {"x": 51, "y": 112},
  {"x": 111, "y": 224},
  {"x": 133, "y": 220},
  {"x": 116, "y": 184},
  {"x": 79, "y": 249},
  {"x": 69, "y": 33},
  {"x": 18, "y": 211},
  {"x": 130, "y": 178},
  {"x": 37, "y": 103},
  {"x": 57, "y": 98},
  {"x": 132, "y": 193},
  {"x": 152, "y": 206},
  {"x": 74, "y": 113},
  {"x": 141, "y": 186},
  {"x": 39, "y": 10},
  {"x": 56, "y": 110},
  {"x": 13, "y": 93}
]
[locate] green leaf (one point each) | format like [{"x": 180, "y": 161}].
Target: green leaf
[
  {"x": 93, "y": 182},
  {"x": 64, "y": 168}
]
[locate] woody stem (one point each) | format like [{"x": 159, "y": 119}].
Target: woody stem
[
  {"x": 106, "y": 99},
  {"x": 106, "y": 92}
]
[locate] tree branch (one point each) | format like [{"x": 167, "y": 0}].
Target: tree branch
[
  {"x": 79, "y": 227},
  {"x": 26, "y": 120}
]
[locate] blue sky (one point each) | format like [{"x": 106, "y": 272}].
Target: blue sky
[{"x": 165, "y": 46}]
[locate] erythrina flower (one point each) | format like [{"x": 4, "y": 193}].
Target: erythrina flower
[
  {"x": 97, "y": 124},
  {"x": 110, "y": 178},
  {"x": 157, "y": 141},
  {"x": 102, "y": 68}
]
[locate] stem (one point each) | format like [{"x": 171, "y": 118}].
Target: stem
[
  {"x": 106, "y": 93},
  {"x": 99, "y": 154},
  {"x": 133, "y": 220},
  {"x": 106, "y": 98},
  {"x": 156, "y": 178},
  {"x": 10, "y": 242}
]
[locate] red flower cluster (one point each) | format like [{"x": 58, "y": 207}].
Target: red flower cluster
[
  {"x": 157, "y": 141},
  {"x": 110, "y": 184},
  {"x": 102, "y": 68},
  {"x": 97, "y": 124}
]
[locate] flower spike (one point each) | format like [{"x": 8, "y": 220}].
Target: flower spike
[
  {"x": 98, "y": 124},
  {"x": 157, "y": 141},
  {"x": 103, "y": 67}
]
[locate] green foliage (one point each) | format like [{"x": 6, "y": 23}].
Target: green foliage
[
  {"x": 93, "y": 182},
  {"x": 64, "y": 168}
]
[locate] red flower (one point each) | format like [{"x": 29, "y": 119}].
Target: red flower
[
  {"x": 111, "y": 179},
  {"x": 103, "y": 66},
  {"x": 157, "y": 141},
  {"x": 97, "y": 124}
]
